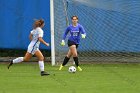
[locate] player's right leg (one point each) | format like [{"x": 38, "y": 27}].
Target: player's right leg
[
  {"x": 40, "y": 56},
  {"x": 66, "y": 59},
  {"x": 20, "y": 59}
]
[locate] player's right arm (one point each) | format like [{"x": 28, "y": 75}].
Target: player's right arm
[
  {"x": 40, "y": 37},
  {"x": 42, "y": 41},
  {"x": 64, "y": 36}
]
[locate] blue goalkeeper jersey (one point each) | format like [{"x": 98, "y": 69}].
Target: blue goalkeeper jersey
[{"x": 75, "y": 33}]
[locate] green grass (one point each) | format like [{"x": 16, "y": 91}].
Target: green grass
[{"x": 95, "y": 78}]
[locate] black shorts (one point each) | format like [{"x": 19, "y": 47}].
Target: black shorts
[{"x": 70, "y": 43}]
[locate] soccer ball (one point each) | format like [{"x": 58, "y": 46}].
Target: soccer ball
[{"x": 72, "y": 69}]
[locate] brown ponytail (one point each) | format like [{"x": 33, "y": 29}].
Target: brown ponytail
[{"x": 38, "y": 23}]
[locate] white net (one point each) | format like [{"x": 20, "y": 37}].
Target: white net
[{"x": 112, "y": 28}]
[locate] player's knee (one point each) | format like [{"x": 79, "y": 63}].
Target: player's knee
[
  {"x": 41, "y": 58},
  {"x": 25, "y": 59},
  {"x": 68, "y": 56},
  {"x": 75, "y": 55}
]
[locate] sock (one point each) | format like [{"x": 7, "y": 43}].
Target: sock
[
  {"x": 41, "y": 65},
  {"x": 76, "y": 61},
  {"x": 18, "y": 60},
  {"x": 66, "y": 59}
]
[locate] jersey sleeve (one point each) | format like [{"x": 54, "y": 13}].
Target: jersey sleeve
[
  {"x": 40, "y": 32},
  {"x": 82, "y": 30},
  {"x": 65, "y": 33}
]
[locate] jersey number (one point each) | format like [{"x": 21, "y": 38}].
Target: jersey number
[{"x": 75, "y": 34}]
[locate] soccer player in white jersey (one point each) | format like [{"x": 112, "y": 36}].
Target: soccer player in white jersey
[
  {"x": 33, "y": 48},
  {"x": 76, "y": 31}
]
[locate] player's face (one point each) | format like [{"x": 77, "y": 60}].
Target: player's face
[{"x": 74, "y": 20}]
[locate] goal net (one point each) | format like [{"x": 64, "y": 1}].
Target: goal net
[{"x": 112, "y": 27}]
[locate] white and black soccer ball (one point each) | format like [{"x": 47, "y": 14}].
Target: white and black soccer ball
[{"x": 72, "y": 69}]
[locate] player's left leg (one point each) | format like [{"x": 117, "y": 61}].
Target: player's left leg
[
  {"x": 40, "y": 56},
  {"x": 75, "y": 56},
  {"x": 20, "y": 59}
]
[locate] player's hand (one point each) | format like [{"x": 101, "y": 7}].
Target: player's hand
[
  {"x": 62, "y": 43},
  {"x": 47, "y": 44},
  {"x": 83, "y": 36}
]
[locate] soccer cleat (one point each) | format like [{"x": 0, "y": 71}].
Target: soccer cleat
[
  {"x": 60, "y": 68},
  {"x": 80, "y": 69},
  {"x": 43, "y": 73},
  {"x": 10, "y": 64}
]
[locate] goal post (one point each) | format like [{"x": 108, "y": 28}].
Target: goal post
[{"x": 52, "y": 32}]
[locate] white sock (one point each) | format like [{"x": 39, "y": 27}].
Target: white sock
[
  {"x": 18, "y": 60},
  {"x": 41, "y": 65}
]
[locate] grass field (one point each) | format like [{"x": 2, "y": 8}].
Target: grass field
[{"x": 95, "y": 78}]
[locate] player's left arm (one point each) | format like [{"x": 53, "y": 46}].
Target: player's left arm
[
  {"x": 83, "y": 32},
  {"x": 31, "y": 36}
]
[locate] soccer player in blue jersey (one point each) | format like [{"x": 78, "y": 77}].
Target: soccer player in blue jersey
[{"x": 76, "y": 31}]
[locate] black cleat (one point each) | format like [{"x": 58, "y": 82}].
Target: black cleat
[
  {"x": 10, "y": 64},
  {"x": 43, "y": 73}
]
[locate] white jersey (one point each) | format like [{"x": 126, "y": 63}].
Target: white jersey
[{"x": 34, "y": 44}]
